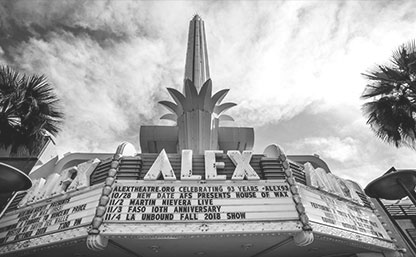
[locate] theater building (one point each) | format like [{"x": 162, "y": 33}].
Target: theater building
[{"x": 194, "y": 189}]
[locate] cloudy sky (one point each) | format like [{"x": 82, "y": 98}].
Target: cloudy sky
[{"x": 293, "y": 67}]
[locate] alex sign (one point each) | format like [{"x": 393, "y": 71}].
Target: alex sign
[
  {"x": 78, "y": 177},
  {"x": 243, "y": 169},
  {"x": 70, "y": 179}
]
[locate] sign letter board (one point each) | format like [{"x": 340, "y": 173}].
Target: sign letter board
[
  {"x": 331, "y": 211},
  {"x": 66, "y": 212},
  {"x": 178, "y": 201}
]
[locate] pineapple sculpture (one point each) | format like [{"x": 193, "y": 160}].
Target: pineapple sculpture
[{"x": 197, "y": 115}]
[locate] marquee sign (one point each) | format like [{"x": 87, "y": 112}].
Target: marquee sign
[
  {"x": 71, "y": 179},
  {"x": 65, "y": 212},
  {"x": 162, "y": 167},
  {"x": 328, "y": 182},
  {"x": 335, "y": 212},
  {"x": 163, "y": 201}
]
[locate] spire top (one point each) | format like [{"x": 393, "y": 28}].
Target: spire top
[
  {"x": 196, "y": 17},
  {"x": 196, "y": 66}
]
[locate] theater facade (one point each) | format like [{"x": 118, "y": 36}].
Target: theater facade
[{"x": 195, "y": 189}]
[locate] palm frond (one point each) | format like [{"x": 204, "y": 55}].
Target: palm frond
[
  {"x": 218, "y": 97},
  {"x": 177, "y": 96},
  {"x": 192, "y": 100},
  {"x": 169, "y": 116},
  {"x": 190, "y": 91},
  {"x": 380, "y": 89},
  {"x": 223, "y": 107},
  {"x": 225, "y": 117},
  {"x": 9, "y": 80},
  {"x": 391, "y": 118},
  {"x": 391, "y": 98},
  {"x": 170, "y": 106},
  {"x": 204, "y": 96},
  {"x": 404, "y": 55},
  {"x": 29, "y": 108}
]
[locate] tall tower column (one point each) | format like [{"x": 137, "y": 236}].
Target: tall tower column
[
  {"x": 196, "y": 65},
  {"x": 197, "y": 112}
]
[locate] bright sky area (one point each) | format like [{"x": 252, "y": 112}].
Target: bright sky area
[{"x": 293, "y": 67}]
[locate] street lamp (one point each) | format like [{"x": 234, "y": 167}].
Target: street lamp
[
  {"x": 12, "y": 179},
  {"x": 394, "y": 185}
]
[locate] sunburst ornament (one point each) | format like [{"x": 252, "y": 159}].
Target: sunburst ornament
[
  {"x": 197, "y": 115},
  {"x": 192, "y": 100}
]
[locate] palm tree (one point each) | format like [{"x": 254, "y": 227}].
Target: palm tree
[
  {"x": 391, "y": 98},
  {"x": 28, "y": 112}
]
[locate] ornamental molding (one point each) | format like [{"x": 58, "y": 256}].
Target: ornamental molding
[
  {"x": 275, "y": 151},
  {"x": 350, "y": 238},
  {"x": 303, "y": 238},
  {"x": 124, "y": 149},
  {"x": 197, "y": 230},
  {"x": 46, "y": 242},
  {"x": 97, "y": 242}
]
